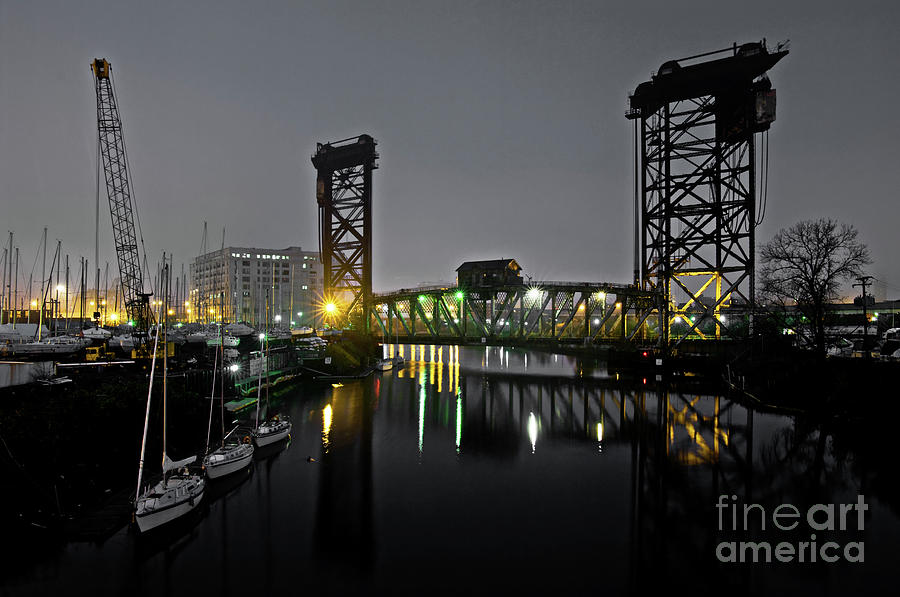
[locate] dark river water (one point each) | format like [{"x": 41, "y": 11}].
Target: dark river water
[{"x": 486, "y": 470}]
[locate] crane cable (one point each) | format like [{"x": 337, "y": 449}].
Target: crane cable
[
  {"x": 128, "y": 174},
  {"x": 764, "y": 178}
]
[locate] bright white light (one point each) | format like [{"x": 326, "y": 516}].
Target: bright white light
[
  {"x": 278, "y": 318},
  {"x": 532, "y": 431},
  {"x": 262, "y": 336},
  {"x": 596, "y": 321},
  {"x": 233, "y": 368}
]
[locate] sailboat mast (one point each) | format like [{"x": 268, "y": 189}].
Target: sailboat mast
[
  {"x": 222, "y": 348},
  {"x": 212, "y": 395},
  {"x": 259, "y": 378},
  {"x": 9, "y": 297},
  {"x": 165, "y": 316},
  {"x": 67, "y": 293},
  {"x": 16, "y": 284},
  {"x": 58, "y": 264},
  {"x": 137, "y": 493},
  {"x": 43, "y": 277}
]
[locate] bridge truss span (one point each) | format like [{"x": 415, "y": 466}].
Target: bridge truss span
[{"x": 551, "y": 312}]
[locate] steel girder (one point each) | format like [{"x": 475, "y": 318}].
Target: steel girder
[
  {"x": 574, "y": 313},
  {"x": 698, "y": 218},
  {"x": 344, "y": 195}
]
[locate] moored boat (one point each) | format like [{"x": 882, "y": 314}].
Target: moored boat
[
  {"x": 177, "y": 493},
  {"x": 227, "y": 459},
  {"x": 274, "y": 430}
]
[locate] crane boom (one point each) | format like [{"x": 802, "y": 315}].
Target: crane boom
[{"x": 121, "y": 206}]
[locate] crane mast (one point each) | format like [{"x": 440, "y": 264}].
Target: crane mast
[{"x": 121, "y": 206}]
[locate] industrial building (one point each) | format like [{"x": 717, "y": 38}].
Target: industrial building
[
  {"x": 239, "y": 282},
  {"x": 489, "y": 273}
]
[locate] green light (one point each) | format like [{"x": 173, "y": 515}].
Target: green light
[
  {"x": 131, "y": 323},
  {"x": 421, "y": 298},
  {"x": 293, "y": 323},
  {"x": 422, "y": 397},
  {"x": 178, "y": 325},
  {"x": 459, "y": 295},
  {"x": 459, "y": 415}
]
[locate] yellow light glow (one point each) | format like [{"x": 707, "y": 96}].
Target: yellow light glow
[
  {"x": 113, "y": 316},
  {"x": 581, "y": 307},
  {"x": 60, "y": 288},
  {"x": 326, "y": 427},
  {"x": 34, "y": 303},
  {"x": 330, "y": 308},
  {"x": 171, "y": 311}
]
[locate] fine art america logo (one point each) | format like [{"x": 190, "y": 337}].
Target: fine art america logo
[{"x": 791, "y": 532}]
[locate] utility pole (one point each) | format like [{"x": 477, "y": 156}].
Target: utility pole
[{"x": 864, "y": 282}]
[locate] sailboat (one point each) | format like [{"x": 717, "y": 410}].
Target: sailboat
[
  {"x": 178, "y": 492},
  {"x": 278, "y": 427},
  {"x": 230, "y": 457}
]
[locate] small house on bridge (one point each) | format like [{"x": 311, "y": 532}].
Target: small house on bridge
[{"x": 489, "y": 273}]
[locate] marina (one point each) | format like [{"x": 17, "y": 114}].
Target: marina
[{"x": 491, "y": 298}]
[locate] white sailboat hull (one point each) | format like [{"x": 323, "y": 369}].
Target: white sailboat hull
[
  {"x": 148, "y": 518},
  {"x": 265, "y": 439},
  {"x": 216, "y": 470}
]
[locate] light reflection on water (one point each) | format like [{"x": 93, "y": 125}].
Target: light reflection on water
[{"x": 523, "y": 469}]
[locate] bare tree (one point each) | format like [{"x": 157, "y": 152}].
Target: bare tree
[{"x": 804, "y": 266}]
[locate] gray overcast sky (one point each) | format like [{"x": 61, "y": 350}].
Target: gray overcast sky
[{"x": 500, "y": 125}]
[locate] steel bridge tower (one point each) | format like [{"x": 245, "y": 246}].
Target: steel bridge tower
[
  {"x": 695, "y": 165},
  {"x": 121, "y": 204},
  {"x": 344, "y": 194}
]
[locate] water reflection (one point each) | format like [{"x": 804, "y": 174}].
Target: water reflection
[{"x": 524, "y": 469}]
